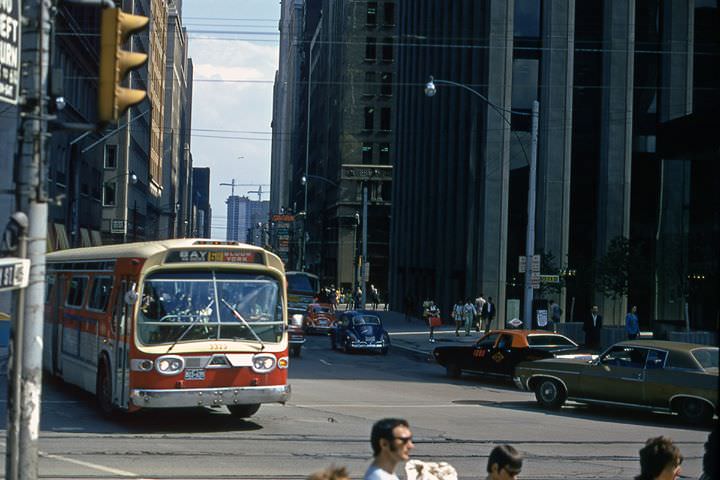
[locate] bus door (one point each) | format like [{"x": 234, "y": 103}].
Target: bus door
[{"x": 119, "y": 333}]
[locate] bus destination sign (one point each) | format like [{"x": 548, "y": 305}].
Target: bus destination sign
[{"x": 231, "y": 256}]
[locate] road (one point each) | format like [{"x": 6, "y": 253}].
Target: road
[{"x": 336, "y": 397}]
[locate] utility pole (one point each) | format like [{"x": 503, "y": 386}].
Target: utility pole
[
  {"x": 31, "y": 198},
  {"x": 530, "y": 233},
  {"x": 364, "y": 272}
]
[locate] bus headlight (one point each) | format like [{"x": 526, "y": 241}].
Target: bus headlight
[
  {"x": 263, "y": 363},
  {"x": 169, "y": 365}
]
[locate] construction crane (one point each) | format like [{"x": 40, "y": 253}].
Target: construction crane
[{"x": 259, "y": 191}]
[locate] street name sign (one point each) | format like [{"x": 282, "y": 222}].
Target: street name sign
[
  {"x": 9, "y": 50},
  {"x": 14, "y": 273},
  {"x": 550, "y": 278}
]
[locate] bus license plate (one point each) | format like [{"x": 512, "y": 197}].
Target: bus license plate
[{"x": 194, "y": 374}]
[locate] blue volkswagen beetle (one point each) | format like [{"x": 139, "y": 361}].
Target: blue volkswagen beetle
[{"x": 359, "y": 330}]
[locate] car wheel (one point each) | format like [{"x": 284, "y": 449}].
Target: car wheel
[
  {"x": 453, "y": 370},
  {"x": 244, "y": 411},
  {"x": 384, "y": 350},
  {"x": 346, "y": 347},
  {"x": 333, "y": 346},
  {"x": 295, "y": 350},
  {"x": 695, "y": 411},
  {"x": 550, "y": 394},
  {"x": 103, "y": 390}
]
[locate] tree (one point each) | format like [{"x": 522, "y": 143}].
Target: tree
[{"x": 621, "y": 266}]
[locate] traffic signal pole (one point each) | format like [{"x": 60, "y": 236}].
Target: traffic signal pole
[{"x": 31, "y": 198}]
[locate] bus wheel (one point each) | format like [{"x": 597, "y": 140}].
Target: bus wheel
[
  {"x": 244, "y": 411},
  {"x": 103, "y": 390}
]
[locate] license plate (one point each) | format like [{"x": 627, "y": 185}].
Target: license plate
[{"x": 194, "y": 374}]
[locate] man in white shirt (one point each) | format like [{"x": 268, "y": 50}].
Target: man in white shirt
[{"x": 391, "y": 441}]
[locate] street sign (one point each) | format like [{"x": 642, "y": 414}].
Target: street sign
[
  {"x": 535, "y": 280},
  {"x": 366, "y": 271},
  {"x": 118, "y": 226},
  {"x": 14, "y": 272},
  {"x": 536, "y": 263},
  {"x": 522, "y": 264},
  {"x": 366, "y": 172},
  {"x": 550, "y": 278},
  {"x": 9, "y": 50}
]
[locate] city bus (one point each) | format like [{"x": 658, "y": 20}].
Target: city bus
[{"x": 173, "y": 323}]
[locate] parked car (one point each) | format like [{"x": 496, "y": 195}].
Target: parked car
[
  {"x": 499, "y": 351},
  {"x": 319, "y": 318},
  {"x": 649, "y": 374},
  {"x": 296, "y": 335},
  {"x": 359, "y": 330}
]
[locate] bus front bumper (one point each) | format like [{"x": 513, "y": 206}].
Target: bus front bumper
[{"x": 209, "y": 397}]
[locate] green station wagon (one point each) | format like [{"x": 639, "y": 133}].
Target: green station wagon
[{"x": 648, "y": 374}]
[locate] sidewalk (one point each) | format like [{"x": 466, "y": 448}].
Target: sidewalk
[{"x": 412, "y": 336}]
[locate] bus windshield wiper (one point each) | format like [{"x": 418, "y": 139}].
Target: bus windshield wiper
[
  {"x": 185, "y": 332},
  {"x": 240, "y": 317}
]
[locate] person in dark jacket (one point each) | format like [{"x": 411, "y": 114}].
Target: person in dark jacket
[{"x": 592, "y": 327}]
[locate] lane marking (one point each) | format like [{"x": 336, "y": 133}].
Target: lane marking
[
  {"x": 93, "y": 466},
  {"x": 324, "y": 362}
]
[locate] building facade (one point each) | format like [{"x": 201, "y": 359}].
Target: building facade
[
  {"x": 606, "y": 75},
  {"x": 202, "y": 212},
  {"x": 343, "y": 123}
]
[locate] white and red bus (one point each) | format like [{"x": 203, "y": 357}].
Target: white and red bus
[{"x": 175, "y": 323}]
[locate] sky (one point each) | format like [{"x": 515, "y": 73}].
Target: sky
[{"x": 232, "y": 94}]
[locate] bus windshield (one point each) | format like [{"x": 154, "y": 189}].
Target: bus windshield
[{"x": 190, "y": 306}]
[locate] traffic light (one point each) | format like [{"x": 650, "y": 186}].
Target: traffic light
[{"x": 115, "y": 63}]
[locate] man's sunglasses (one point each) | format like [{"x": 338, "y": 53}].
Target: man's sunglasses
[{"x": 404, "y": 440}]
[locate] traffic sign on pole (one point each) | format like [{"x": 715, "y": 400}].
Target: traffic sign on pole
[{"x": 14, "y": 273}]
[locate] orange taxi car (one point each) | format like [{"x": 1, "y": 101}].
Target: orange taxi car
[{"x": 319, "y": 318}]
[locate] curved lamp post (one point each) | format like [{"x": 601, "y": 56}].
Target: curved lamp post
[
  {"x": 430, "y": 91},
  {"x": 304, "y": 182}
]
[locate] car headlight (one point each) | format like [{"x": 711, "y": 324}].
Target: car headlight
[
  {"x": 263, "y": 363},
  {"x": 170, "y": 365}
]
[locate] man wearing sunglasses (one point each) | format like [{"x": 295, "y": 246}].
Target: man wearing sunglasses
[
  {"x": 391, "y": 441},
  {"x": 504, "y": 463}
]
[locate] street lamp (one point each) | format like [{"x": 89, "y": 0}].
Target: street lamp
[{"x": 430, "y": 91}]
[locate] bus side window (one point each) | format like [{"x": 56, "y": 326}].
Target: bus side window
[
  {"x": 100, "y": 293},
  {"x": 76, "y": 291},
  {"x": 49, "y": 287}
]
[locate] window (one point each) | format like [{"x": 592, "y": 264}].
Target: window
[
  {"x": 49, "y": 285},
  {"x": 109, "y": 194},
  {"x": 369, "y": 87},
  {"x": 370, "y": 49},
  {"x": 100, "y": 293},
  {"x": 505, "y": 342},
  {"x": 371, "y": 19},
  {"x": 110, "y": 156},
  {"x": 706, "y": 357},
  {"x": 384, "y": 153},
  {"x": 527, "y": 18},
  {"x": 386, "y": 84},
  {"x": 549, "y": 341},
  {"x": 488, "y": 341},
  {"x": 655, "y": 359},
  {"x": 387, "y": 50},
  {"x": 629, "y": 357},
  {"x": 385, "y": 119},
  {"x": 389, "y": 14},
  {"x": 369, "y": 114},
  {"x": 76, "y": 292},
  {"x": 367, "y": 153}
]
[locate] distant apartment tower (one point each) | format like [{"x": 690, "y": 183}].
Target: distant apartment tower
[{"x": 243, "y": 218}]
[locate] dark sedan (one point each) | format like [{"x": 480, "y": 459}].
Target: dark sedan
[
  {"x": 497, "y": 352},
  {"x": 359, "y": 330}
]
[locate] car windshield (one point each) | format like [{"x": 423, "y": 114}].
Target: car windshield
[
  {"x": 190, "y": 306},
  {"x": 550, "y": 341},
  {"x": 366, "y": 320},
  {"x": 706, "y": 357}
]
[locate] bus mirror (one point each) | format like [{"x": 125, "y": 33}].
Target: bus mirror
[
  {"x": 131, "y": 296},
  {"x": 297, "y": 320}
]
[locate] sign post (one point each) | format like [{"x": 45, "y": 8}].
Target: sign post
[{"x": 10, "y": 51}]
